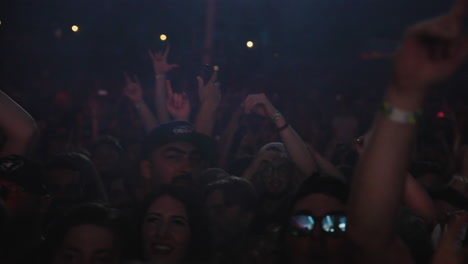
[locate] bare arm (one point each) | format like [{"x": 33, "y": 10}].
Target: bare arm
[
  {"x": 210, "y": 97},
  {"x": 379, "y": 186},
  {"x": 19, "y": 127},
  {"x": 326, "y": 166},
  {"x": 417, "y": 198},
  {"x": 161, "y": 68},
  {"x": 134, "y": 92},
  {"x": 225, "y": 142},
  {"x": 292, "y": 141},
  {"x": 178, "y": 105}
]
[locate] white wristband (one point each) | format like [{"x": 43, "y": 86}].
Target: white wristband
[{"x": 400, "y": 116}]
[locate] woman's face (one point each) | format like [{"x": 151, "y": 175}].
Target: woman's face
[
  {"x": 86, "y": 244},
  {"x": 166, "y": 231},
  {"x": 318, "y": 246}
]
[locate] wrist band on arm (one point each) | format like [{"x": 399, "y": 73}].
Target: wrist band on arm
[
  {"x": 390, "y": 112},
  {"x": 279, "y": 129},
  {"x": 276, "y": 116},
  {"x": 160, "y": 76}
]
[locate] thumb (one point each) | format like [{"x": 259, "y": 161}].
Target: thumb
[{"x": 454, "y": 231}]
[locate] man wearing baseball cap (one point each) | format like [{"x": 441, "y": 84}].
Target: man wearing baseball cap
[{"x": 174, "y": 153}]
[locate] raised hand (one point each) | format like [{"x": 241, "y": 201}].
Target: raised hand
[
  {"x": 431, "y": 50},
  {"x": 209, "y": 91},
  {"x": 160, "y": 65},
  {"x": 133, "y": 89},
  {"x": 259, "y": 103},
  {"x": 448, "y": 251},
  {"x": 178, "y": 105}
]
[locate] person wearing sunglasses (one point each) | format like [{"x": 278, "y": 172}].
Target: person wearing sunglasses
[{"x": 314, "y": 230}]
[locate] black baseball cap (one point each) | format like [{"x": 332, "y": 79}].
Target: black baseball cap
[
  {"x": 178, "y": 131},
  {"x": 23, "y": 172}
]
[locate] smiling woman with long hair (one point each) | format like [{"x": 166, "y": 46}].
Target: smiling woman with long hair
[{"x": 172, "y": 227}]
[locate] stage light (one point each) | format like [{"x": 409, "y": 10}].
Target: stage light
[
  {"x": 440, "y": 114},
  {"x": 216, "y": 68},
  {"x": 163, "y": 37},
  {"x": 250, "y": 44},
  {"x": 0, "y": 22},
  {"x": 75, "y": 28}
]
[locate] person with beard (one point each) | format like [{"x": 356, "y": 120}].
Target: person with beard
[
  {"x": 174, "y": 153},
  {"x": 231, "y": 205},
  {"x": 26, "y": 200}
]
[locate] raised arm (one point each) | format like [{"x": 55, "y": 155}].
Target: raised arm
[
  {"x": 18, "y": 126},
  {"x": 293, "y": 143},
  {"x": 210, "y": 97},
  {"x": 226, "y": 139},
  {"x": 161, "y": 68},
  {"x": 134, "y": 92},
  {"x": 430, "y": 52},
  {"x": 178, "y": 105}
]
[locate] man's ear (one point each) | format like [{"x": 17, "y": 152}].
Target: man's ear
[{"x": 145, "y": 169}]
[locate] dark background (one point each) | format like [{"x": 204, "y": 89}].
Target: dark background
[{"x": 303, "y": 48}]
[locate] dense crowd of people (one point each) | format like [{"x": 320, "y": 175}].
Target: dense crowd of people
[{"x": 223, "y": 176}]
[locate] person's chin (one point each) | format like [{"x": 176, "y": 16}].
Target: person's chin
[
  {"x": 161, "y": 253},
  {"x": 183, "y": 180}
]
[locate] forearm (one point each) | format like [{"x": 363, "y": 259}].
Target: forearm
[
  {"x": 328, "y": 168},
  {"x": 204, "y": 122},
  {"x": 160, "y": 99},
  {"x": 416, "y": 198},
  {"x": 378, "y": 186},
  {"x": 147, "y": 117},
  {"x": 227, "y": 137},
  {"x": 296, "y": 148},
  {"x": 19, "y": 127}
]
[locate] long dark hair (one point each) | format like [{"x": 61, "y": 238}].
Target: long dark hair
[
  {"x": 200, "y": 242},
  {"x": 88, "y": 214}
]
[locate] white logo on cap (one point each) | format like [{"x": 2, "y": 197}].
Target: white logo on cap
[{"x": 183, "y": 130}]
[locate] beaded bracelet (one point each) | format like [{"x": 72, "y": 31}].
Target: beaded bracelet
[{"x": 276, "y": 116}]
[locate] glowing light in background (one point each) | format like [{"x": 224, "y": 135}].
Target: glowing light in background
[
  {"x": 440, "y": 114},
  {"x": 249, "y": 44},
  {"x": 216, "y": 68},
  {"x": 75, "y": 28},
  {"x": 163, "y": 37},
  {"x": 0, "y": 22}
]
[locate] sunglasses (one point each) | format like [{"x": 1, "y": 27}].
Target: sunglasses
[{"x": 333, "y": 224}]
